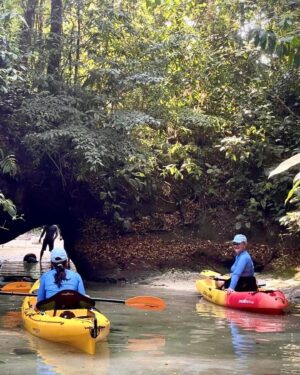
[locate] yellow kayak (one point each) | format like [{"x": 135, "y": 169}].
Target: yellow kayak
[{"x": 68, "y": 317}]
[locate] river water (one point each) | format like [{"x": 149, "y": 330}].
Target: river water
[{"x": 190, "y": 337}]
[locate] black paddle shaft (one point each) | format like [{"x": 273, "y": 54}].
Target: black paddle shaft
[
  {"x": 34, "y": 295},
  {"x": 108, "y": 300},
  {"x": 18, "y": 294}
]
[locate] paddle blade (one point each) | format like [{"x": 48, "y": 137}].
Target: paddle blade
[
  {"x": 17, "y": 286},
  {"x": 209, "y": 273},
  {"x": 213, "y": 275},
  {"x": 146, "y": 303}
]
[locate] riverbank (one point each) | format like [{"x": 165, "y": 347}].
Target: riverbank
[
  {"x": 185, "y": 281},
  {"x": 136, "y": 256}
]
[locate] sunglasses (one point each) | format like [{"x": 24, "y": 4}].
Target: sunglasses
[{"x": 236, "y": 244}]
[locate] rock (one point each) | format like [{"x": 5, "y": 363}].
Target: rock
[
  {"x": 297, "y": 276},
  {"x": 30, "y": 258}
]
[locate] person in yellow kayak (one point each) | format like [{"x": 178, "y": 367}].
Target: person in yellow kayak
[
  {"x": 242, "y": 271},
  {"x": 59, "y": 277}
]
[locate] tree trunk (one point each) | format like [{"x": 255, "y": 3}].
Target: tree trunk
[
  {"x": 26, "y": 32},
  {"x": 55, "y": 41},
  {"x": 79, "y": 10}
]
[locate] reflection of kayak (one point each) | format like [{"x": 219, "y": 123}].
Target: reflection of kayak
[
  {"x": 150, "y": 343},
  {"x": 266, "y": 302},
  {"x": 67, "y": 318},
  {"x": 11, "y": 320},
  {"x": 243, "y": 319},
  {"x": 17, "y": 286},
  {"x": 65, "y": 360}
]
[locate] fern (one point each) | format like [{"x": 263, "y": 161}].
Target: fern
[
  {"x": 8, "y": 164},
  {"x": 8, "y": 206}
]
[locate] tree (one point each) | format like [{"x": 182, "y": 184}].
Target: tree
[
  {"x": 156, "y": 101},
  {"x": 7, "y": 166},
  {"x": 54, "y": 39}
]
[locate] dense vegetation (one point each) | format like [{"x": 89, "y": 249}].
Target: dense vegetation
[{"x": 156, "y": 103}]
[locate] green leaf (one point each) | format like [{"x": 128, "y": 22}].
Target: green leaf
[
  {"x": 238, "y": 226},
  {"x": 103, "y": 195},
  {"x": 292, "y": 191},
  {"x": 285, "y": 165}
]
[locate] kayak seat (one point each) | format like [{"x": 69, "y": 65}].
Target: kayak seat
[
  {"x": 66, "y": 300},
  {"x": 67, "y": 315}
]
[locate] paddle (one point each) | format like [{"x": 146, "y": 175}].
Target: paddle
[
  {"x": 139, "y": 302},
  {"x": 217, "y": 276},
  {"x": 17, "y": 286},
  {"x": 214, "y": 275}
]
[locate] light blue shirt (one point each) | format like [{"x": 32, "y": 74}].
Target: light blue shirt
[
  {"x": 48, "y": 287},
  {"x": 242, "y": 266}
]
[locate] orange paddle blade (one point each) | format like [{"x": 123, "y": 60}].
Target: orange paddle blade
[
  {"x": 146, "y": 303},
  {"x": 17, "y": 286}
]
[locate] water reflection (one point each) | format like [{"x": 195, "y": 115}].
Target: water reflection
[
  {"x": 65, "y": 360},
  {"x": 246, "y": 320},
  {"x": 273, "y": 338},
  {"x": 11, "y": 320},
  {"x": 291, "y": 353},
  {"x": 243, "y": 347},
  {"x": 149, "y": 343}
]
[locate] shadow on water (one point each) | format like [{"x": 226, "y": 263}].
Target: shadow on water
[{"x": 190, "y": 337}]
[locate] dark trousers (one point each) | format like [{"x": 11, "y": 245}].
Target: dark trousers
[
  {"x": 48, "y": 242},
  {"x": 245, "y": 284}
]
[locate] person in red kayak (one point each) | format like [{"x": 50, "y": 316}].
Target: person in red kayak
[{"x": 242, "y": 271}]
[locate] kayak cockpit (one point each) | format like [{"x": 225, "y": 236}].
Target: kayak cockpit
[{"x": 66, "y": 299}]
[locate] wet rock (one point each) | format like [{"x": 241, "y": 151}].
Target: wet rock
[
  {"x": 293, "y": 294},
  {"x": 297, "y": 276},
  {"x": 30, "y": 258},
  {"x": 23, "y": 351}
]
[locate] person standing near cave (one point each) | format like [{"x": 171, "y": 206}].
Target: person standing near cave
[{"x": 51, "y": 233}]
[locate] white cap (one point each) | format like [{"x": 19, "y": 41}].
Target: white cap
[
  {"x": 58, "y": 255},
  {"x": 239, "y": 238}
]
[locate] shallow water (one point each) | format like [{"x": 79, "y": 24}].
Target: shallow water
[{"x": 190, "y": 337}]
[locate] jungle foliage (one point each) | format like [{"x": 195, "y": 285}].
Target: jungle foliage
[{"x": 181, "y": 101}]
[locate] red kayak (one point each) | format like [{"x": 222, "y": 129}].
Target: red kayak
[{"x": 266, "y": 302}]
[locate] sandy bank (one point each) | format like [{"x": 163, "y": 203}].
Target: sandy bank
[
  {"x": 184, "y": 280},
  {"x": 24, "y": 244}
]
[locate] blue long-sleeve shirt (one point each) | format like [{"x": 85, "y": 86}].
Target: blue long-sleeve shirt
[
  {"x": 242, "y": 266},
  {"x": 48, "y": 287}
]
